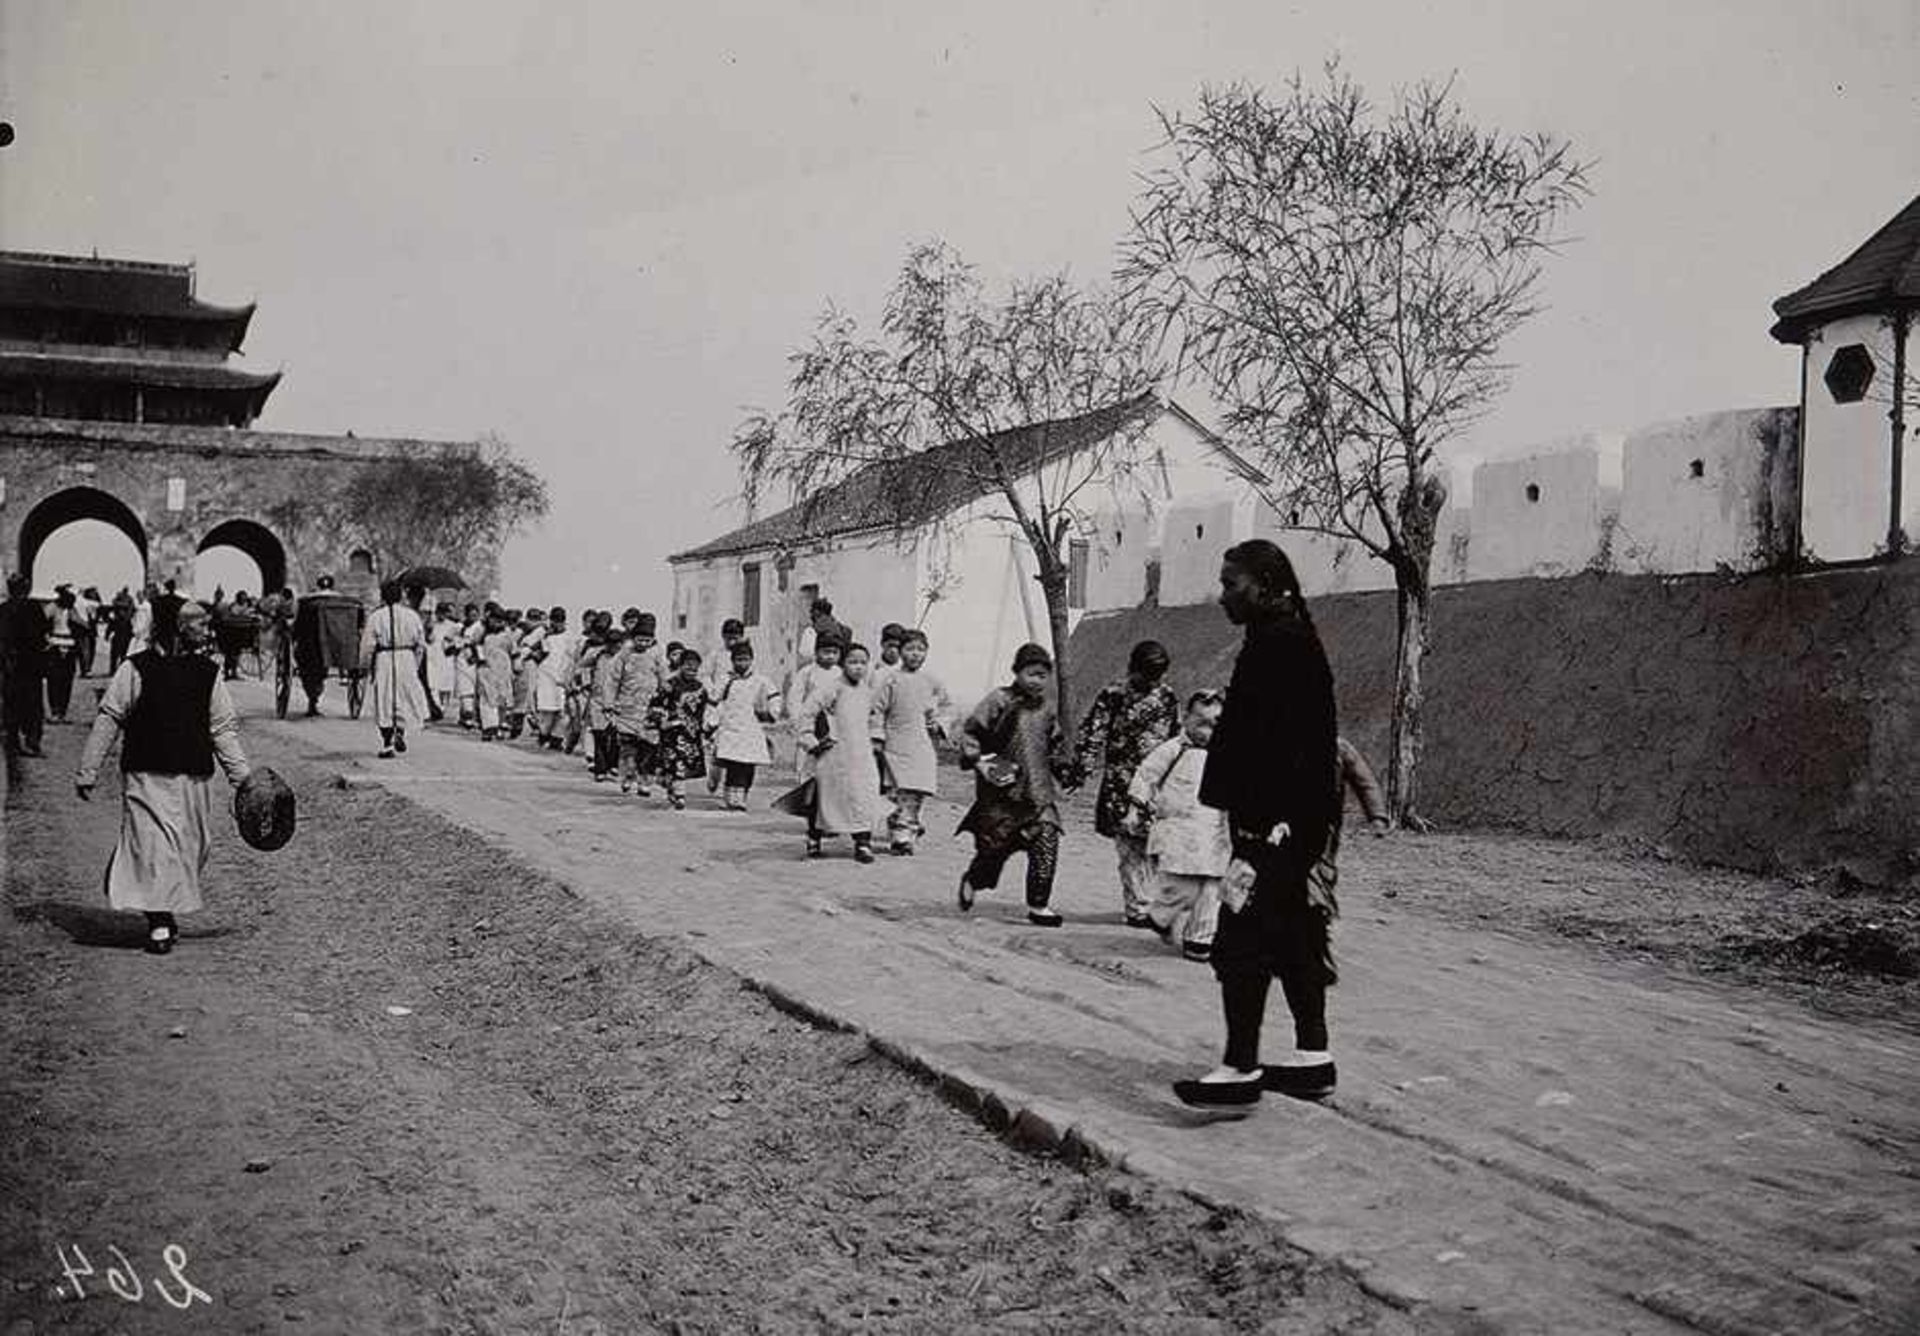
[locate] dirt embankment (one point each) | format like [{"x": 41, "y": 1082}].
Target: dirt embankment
[{"x": 1765, "y": 723}]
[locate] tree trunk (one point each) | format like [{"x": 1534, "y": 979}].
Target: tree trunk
[
  {"x": 1403, "y": 771},
  {"x": 1412, "y": 561},
  {"x": 1053, "y": 585}
]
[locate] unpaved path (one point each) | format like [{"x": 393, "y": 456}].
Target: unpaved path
[
  {"x": 1525, "y": 1132},
  {"x": 393, "y": 1081}
]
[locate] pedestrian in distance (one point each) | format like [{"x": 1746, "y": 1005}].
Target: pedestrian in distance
[
  {"x": 23, "y": 660},
  {"x": 169, "y": 710},
  {"x": 62, "y": 652},
  {"x": 1188, "y": 842},
  {"x": 1272, "y": 767},
  {"x": 393, "y": 645},
  {"x": 910, "y": 709},
  {"x": 1128, "y": 719},
  {"x": 1014, "y": 745},
  {"x": 493, "y": 676}
]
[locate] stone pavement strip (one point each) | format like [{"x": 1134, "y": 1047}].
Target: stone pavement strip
[{"x": 1524, "y": 1134}]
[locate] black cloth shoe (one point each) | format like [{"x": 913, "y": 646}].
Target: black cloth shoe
[
  {"x": 1044, "y": 918},
  {"x": 1219, "y": 1094},
  {"x": 160, "y": 946},
  {"x": 1315, "y": 1082},
  {"x": 1142, "y": 921}
]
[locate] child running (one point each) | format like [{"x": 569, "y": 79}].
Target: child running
[
  {"x": 680, "y": 714},
  {"x": 741, "y": 709},
  {"x": 910, "y": 707},
  {"x": 1013, "y": 744},
  {"x": 1128, "y": 719},
  {"x": 1189, "y": 842}
]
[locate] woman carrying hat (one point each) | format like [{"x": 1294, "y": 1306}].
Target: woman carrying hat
[{"x": 175, "y": 721}]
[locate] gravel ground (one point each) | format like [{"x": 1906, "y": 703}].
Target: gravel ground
[{"x": 391, "y": 1081}]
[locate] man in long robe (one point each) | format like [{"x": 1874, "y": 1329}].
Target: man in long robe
[
  {"x": 391, "y": 648},
  {"x": 175, "y": 721}
]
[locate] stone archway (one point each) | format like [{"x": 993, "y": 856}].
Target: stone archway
[
  {"x": 259, "y": 543},
  {"x": 72, "y": 504}
]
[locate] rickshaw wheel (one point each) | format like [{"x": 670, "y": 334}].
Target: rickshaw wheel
[{"x": 356, "y": 694}]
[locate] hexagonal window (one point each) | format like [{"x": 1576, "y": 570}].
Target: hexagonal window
[{"x": 1849, "y": 373}]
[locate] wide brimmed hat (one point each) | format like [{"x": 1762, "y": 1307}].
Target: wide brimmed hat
[{"x": 263, "y": 807}]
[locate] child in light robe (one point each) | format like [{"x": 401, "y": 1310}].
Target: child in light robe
[
  {"x": 739, "y": 711},
  {"x": 1189, "y": 842},
  {"x": 848, "y": 800},
  {"x": 910, "y": 708}
]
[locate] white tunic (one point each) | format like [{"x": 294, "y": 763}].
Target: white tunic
[
  {"x": 164, "y": 819},
  {"x": 550, "y": 674},
  {"x": 1187, "y": 838},
  {"x": 738, "y": 705},
  {"x": 391, "y": 645},
  {"x": 442, "y": 636}
]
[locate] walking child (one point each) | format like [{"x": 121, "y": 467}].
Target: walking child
[
  {"x": 739, "y": 712},
  {"x": 680, "y": 714},
  {"x": 847, "y": 775},
  {"x": 910, "y": 708},
  {"x": 802, "y": 687},
  {"x": 1128, "y": 719},
  {"x": 1013, "y": 743},
  {"x": 1190, "y": 843},
  {"x": 493, "y": 678}
]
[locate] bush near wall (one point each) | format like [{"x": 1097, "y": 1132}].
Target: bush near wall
[{"x": 1766, "y": 722}]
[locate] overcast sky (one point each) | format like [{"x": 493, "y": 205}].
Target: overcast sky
[{"x": 598, "y": 228}]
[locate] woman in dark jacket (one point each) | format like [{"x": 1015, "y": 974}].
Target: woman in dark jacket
[{"x": 1272, "y": 768}]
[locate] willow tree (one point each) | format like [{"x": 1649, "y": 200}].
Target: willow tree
[
  {"x": 1342, "y": 276},
  {"x": 1024, "y": 408}
]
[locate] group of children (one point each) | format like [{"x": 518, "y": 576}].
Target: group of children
[{"x": 864, "y": 735}]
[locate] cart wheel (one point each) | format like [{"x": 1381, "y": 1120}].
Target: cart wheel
[
  {"x": 282, "y": 685},
  {"x": 356, "y": 694}
]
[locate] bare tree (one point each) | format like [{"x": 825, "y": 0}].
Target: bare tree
[
  {"x": 1342, "y": 276},
  {"x": 1031, "y": 405},
  {"x": 452, "y": 508}
]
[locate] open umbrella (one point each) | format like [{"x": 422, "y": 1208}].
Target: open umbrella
[{"x": 431, "y": 577}]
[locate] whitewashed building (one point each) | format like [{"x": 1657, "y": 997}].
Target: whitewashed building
[
  {"x": 1859, "y": 497},
  {"x": 963, "y": 574}
]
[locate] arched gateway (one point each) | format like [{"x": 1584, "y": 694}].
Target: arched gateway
[
  {"x": 176, "y": 491},
  {"x": 119, "y": 402}
]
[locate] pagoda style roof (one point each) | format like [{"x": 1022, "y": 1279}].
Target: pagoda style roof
[
  {"x": 939, "y": 481},
  {"x": 129, "y": 371},
  {"x": 140, "y": 289},
  {"x": 1882, "y": 275}
]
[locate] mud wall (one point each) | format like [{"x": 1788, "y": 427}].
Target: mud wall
[{"x": 1766, "y": 722}]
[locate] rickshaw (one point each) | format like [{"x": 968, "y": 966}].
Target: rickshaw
[{"x": 325, "y": 636}]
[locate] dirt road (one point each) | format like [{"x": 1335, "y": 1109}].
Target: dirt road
[
  {"x": 1530, "y": 1135},
  {"x": 394, "y": 1081},
  {"x": 1527, "y": 1131}
]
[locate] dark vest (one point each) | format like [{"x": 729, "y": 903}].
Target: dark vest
[{"x": 170, "y": 730}]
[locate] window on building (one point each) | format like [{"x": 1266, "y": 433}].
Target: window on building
[
  {"x": 1077, "y": 552},
  {"x": 750, "y": 594}
]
